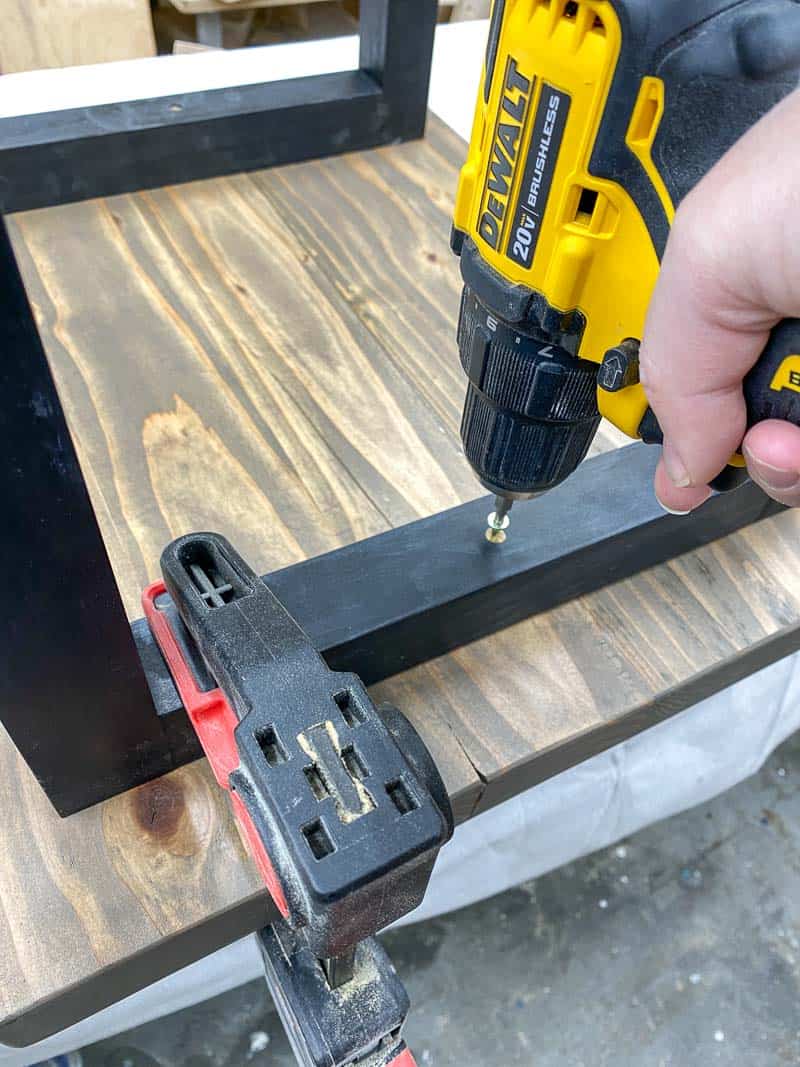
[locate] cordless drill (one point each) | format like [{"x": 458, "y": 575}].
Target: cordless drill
[{"x": 594, "y": 119}]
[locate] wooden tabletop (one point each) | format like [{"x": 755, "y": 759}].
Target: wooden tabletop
[{"x": 272, "y": 356}]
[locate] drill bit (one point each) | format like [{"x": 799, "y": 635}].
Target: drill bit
[{"x": 498, "y": 520}]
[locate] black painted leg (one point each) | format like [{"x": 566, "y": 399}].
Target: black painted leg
[
  {"x": 105, "y": 149},
  {"x": 74, "y": 696},
  {"x": 397, "y": 50}
]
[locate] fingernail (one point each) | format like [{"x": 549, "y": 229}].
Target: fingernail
[
  {"x": 673, "y": 511},
  {"x": 675, "y": 467},
  {"x": 777, "y": 478},
  {"x": 687, "y": 511}
]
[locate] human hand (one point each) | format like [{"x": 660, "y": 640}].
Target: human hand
[{"x": 730, "y": 272}]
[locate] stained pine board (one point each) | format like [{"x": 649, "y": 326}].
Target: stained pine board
[{"x": 272, "y": 356}]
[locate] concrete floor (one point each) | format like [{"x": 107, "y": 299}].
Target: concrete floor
[{"x": 678, "y": 946}]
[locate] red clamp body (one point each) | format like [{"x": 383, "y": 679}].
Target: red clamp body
[
  {"x": 214, "y": 721},
  {"x": 405, "y": 1059}
]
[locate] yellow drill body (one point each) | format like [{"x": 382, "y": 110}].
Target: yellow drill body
[
  {"x": 578, "y": 240},
  {"x": 594, "y": 118}
]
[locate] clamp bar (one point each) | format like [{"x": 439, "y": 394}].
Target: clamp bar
[{"x": 358, "y": 1023}]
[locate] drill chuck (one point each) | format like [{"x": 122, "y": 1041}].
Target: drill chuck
[{"x": 531, "y": 409}]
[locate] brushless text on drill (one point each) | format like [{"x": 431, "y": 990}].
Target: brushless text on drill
[{"x": 534, "y": 190}]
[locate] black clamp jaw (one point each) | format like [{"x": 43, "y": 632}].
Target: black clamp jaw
[{"x": 340, "y": 801}]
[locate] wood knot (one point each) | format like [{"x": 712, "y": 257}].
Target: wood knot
[
  {"x": 153, "y": 830},
  {"x": 158, "y": 807}
]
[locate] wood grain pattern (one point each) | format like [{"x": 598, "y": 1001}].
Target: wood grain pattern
[
  {"x": 272, "y": 356},
  {"x": 64, "y": 33}
]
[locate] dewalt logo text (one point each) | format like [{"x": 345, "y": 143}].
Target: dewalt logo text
[{"x": 505, "y": 150}]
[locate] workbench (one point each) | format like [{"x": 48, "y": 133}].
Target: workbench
[{"x": 271, "y": 356}]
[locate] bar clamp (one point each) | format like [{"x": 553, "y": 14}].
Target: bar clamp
[{"x": 340, "y": 802}]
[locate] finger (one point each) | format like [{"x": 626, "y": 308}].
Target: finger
[
  {"x": 699, "y": 343},
  {"x": 772, "y": 451},
  {"x": 730, "y": 271},
  {"x": 674, "y": 500}
]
